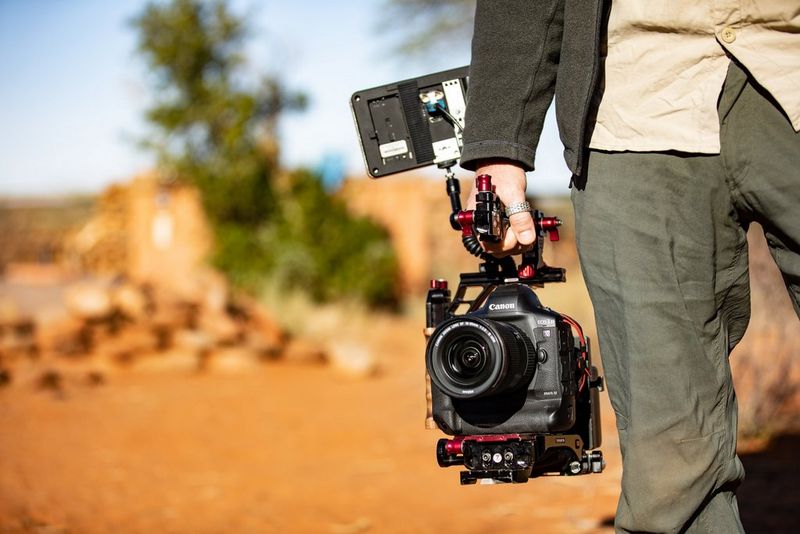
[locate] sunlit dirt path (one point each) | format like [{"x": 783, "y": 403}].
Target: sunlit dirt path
[{"x": 290, "y": 448}]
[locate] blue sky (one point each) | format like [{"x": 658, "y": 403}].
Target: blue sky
[{"x": 72, "y": 90}]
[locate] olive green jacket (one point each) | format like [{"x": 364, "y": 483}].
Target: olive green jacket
[{"x": 524, "y": 52}]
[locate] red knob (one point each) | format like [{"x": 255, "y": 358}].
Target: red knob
[
  {"x": 526, "y": 271},
  {"x": 549, "y": 223},
  {"x": 438, "y": 283},
  {"x": 454, "y": 446},
  {"x": 483, "y": 183}
]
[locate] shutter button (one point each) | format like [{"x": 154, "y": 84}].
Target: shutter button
[{"x": 728, "y": 35}]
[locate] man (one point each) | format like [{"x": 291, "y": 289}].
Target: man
[{"x": 679, "y": 121}]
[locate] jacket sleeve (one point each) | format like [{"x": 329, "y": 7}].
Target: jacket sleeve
[{"x": 512, "y": 76}]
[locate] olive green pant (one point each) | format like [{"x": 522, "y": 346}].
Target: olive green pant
[{"x": 662, "y": 245}]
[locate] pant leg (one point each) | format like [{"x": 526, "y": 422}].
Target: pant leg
[
  {"x": 761, "y": 151},
  {"x": 664, "y": 255}
]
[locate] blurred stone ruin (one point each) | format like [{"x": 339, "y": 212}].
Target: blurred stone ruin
[
  {"x": 124, "y": 287},
  {"x": 117, "y": 325}
]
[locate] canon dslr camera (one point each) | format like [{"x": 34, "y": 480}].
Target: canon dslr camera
[{"x": 509, "y": 379}]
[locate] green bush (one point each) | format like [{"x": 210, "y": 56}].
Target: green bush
[
  {"x": 316, "y": 245},
  {"x": 310, "y": 242},
  {"x": 217, "y": 131}
]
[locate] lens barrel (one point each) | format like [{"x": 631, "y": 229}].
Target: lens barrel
[{"x": 469, "y": 357}]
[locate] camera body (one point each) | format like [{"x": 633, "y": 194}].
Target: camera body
[
  {"x": 510, "y": 381},
  {"x": 531, "y": 361}
]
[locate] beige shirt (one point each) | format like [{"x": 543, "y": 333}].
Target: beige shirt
[{"x": 667, "y": 62}]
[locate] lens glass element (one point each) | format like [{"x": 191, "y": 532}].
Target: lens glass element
[{"x": 466, "y": 360}]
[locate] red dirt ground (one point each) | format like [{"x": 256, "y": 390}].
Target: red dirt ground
[{"x": 291, "y": 448}]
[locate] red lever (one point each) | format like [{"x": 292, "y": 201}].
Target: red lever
[{"x": 550, "y": 225}]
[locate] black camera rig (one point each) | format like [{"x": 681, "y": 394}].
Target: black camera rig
[
  {"x": 512, "y": 456},
  {"x": 509, "y": 379}
]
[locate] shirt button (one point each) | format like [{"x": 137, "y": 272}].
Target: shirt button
[{"x": 728, "y": 35}]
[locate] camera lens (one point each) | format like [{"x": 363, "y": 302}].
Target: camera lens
[{"x": 469, "y": 357}]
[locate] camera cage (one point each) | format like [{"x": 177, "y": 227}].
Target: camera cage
[
  {"x": 419, "y": 122},
  {"x": 519, "y": 456}
]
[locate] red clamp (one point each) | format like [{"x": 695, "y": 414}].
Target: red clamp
[{"x": 465, "y": 219}]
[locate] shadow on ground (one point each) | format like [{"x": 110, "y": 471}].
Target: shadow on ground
[{"x": 770, "y": 497}]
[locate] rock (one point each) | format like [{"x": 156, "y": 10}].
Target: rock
[
  {"x": 9, "y": 312},
  {"x": 129, "y": 300},
  {"x": 68, "y": 337},
  {"x": 232, "y": 361},
  {"x": 163, "y": 336},
  {"x": 215, "y": 292},
  {"x": 303, "y": 351},
  {"x": 128, "y": 344},
  {"x": 263, "y": 348},
  {"x": 50, "y": 380},
  {"x": 14, "y": 347},
  {"x": 95, "y": 378},
  {"x": 88, "y": 300},
  {"x": 175, "y": 314},
  {"x": 194, "y": 341},
  {"x": 24, "y": 328},
  {"x": 17, "y": 338},
  {"x": 171, "y": 361},
  {"x": 269, "y": 331},
  {"x": 223, "y": 330},
  {"x": 187, "y": 313},
  {"x": 167, "y": 323},
  {"x": 352, "y": 359}
]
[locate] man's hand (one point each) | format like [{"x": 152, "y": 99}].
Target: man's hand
[{"x": 510, "y": 184}]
